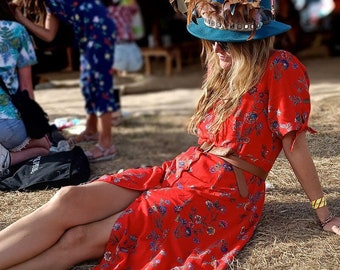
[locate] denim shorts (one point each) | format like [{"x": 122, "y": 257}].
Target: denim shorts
[{"x": 13, "y": 134}]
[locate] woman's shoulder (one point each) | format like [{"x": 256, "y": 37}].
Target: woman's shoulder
[
  {"x": 285, "y": 73},
  {"x": 283, "y": 57},
  {"x": 13, "y": 26},
  {"x": 284, "y": 61},
  {"x": 10, "y": 23}
]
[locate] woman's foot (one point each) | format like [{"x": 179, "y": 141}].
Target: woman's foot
[
  {"x": 100, "y": 153},
  {"x": 82, "y": 137}
]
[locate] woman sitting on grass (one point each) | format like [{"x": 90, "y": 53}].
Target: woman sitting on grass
[{"x": 200, "y": 209}]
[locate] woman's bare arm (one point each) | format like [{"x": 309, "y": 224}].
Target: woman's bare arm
[
  {"x": 305, "y": 171},
  {"x": 47, "y": 32},
  {"x": 25, "y": 80}
]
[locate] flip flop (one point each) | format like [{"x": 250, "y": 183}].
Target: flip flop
[
  {"x": 106, "y": 153},
  {"x": 82, "y": 137}
]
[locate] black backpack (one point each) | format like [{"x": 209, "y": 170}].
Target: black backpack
[{"x": 52, "y": 171}]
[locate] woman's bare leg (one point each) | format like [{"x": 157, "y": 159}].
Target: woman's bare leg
[
  {"x": 105, "y": 135},
  {"x": 78, "y": 244},
  {"x": 104, "y": 129},
  {"x": 36, "y": 147},
  {"x": 70, "y": 207},
  {"x": 91, "y": 124}
]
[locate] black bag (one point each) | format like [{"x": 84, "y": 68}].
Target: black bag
[
  {"x": 52, "y": 171},
  {"x": 34, "y": 117}
]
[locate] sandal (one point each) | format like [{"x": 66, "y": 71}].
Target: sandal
[
  {"x": 106, "y": 153},
  {"x": 82, "y": 137}
]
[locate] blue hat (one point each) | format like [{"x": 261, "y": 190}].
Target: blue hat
[{"x": 233, "y": 20}]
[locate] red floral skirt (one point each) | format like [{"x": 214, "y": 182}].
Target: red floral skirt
[{"x": 190, "y": 215}]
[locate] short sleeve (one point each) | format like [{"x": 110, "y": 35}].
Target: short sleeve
[
  {"x": 289, "y": 99},
  {"x": 26, "y": 51}
]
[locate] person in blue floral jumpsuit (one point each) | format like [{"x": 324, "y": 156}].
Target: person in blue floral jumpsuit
[{"x": 95, "y": 34}]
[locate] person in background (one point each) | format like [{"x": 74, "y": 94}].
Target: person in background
[
  {"x": 128, "y": 56},
  {"x": 16, "y": 58},
  {"x": 95, "y": 33},
  {"x": 200, "y": 209}
]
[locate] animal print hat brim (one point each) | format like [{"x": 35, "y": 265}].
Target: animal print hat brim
[{"x": 233, "y": 20}]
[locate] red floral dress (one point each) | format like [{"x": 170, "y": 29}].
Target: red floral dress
[{"x": 190, "y": 214}]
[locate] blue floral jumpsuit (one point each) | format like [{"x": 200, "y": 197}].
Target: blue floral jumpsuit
[{"x": 96, "y": 34}]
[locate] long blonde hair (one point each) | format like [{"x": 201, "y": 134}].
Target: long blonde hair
[
  {"x": 222, "y": 89},
  {"x": 34, "y": 10}
]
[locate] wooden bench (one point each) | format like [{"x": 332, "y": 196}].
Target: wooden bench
[{"x": 170, "y": 54}]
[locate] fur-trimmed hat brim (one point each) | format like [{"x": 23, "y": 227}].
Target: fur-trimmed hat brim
[{"x": 202, "y": 31}]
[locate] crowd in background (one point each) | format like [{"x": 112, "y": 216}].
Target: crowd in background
[{"x": 160, "y": 19}]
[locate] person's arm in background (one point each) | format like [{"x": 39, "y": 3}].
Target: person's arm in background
[
  {"x": 47, "y": 32},
  {"x": 303, "y": 166},
  {"x": 25, "y": 80}
]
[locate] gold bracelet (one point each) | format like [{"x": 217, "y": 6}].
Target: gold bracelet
[{"x": 318, "y": 203}]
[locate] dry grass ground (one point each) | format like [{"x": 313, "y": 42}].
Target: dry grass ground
[{"x": 288, "y": 236}]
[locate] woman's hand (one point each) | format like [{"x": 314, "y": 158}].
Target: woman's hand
[
  {"x": 46, "y": 32},
  {"x": 333, "y": 226},
  {"x": 16, "y": 12}
]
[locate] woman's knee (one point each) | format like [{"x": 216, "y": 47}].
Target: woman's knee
[
  {"x": 64, "y": 200},
  {"x": 44, "y": 151},
  {"x": 73, "y": 237},
  {"x": 80, "y": 238},
  {"x": 66, "y": 194},
  {"x": 43, "y": 144}
]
